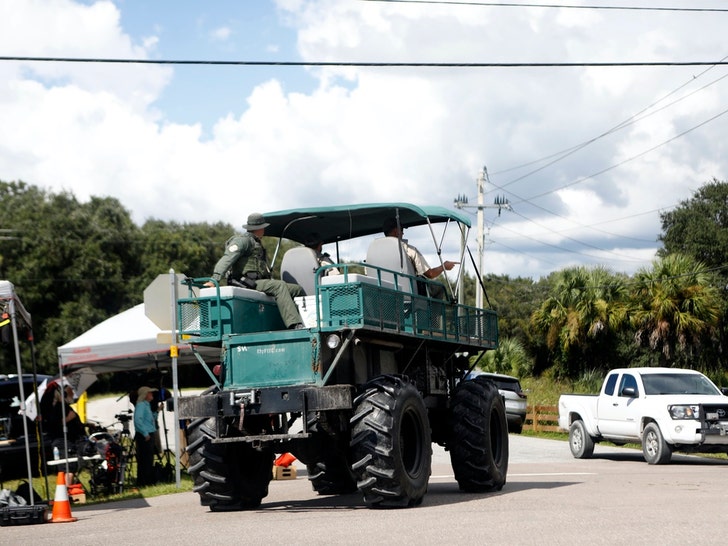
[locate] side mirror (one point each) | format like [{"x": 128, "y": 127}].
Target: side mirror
[
  {"x": 629, "y": 392},
  {"x": 724, "y": 390}
]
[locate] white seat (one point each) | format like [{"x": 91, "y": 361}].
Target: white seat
[
  {"x": 388, "y": 253},
  {"x": 235, "y": 292},
  {"x": 354, "y": 278},
  {"x": 299, "y": 267}
]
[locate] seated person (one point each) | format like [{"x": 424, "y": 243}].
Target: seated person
[
  {"x": 314, "y": 242},
  {"x": 245, "y": 261},
  {"x": 392, "y": 228},
  {"x": 52, "y": 414}
]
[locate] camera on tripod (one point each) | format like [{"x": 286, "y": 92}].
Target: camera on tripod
[{"x": 124, "y": 417}]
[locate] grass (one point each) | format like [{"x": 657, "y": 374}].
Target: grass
[
  {"x": 129, "y": 492},
  {"x": 132, "y": 492}
]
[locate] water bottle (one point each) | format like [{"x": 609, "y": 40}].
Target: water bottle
[{"x": 56, "y": 453}]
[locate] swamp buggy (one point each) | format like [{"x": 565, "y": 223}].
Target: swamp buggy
[{"x": 361, "y": 393}]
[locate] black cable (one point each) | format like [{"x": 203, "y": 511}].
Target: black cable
[
  {"x": 361, "y": 63},
  {"x": 559, "y": 6},
  {"x": 479, "y": 275}
]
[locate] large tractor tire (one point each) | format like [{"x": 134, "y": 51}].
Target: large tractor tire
[
  {"x": 391, "y": 443},
  {"x": 329, "y": 471},
  {"x": 478, "y": 436},
  {"x": 227, "y": 476}
]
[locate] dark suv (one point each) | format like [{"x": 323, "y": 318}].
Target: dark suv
[{"x": 12, "y": 435}]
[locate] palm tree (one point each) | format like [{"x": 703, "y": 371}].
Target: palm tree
[
  {"x": 674, "y": 306},
  {"x": 581, "y": 317},
  {"x": 509, "y": 358}
]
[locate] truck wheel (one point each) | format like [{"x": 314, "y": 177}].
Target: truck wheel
[
  {"x": 654, "y": 447},
  {"x": 330, "y": 471},
  {"x": 580, "y": 443},
  {"x": 228, "y": 476},
  {"x": 391, "y": 443},
  {"x": 478, "y": 436}
]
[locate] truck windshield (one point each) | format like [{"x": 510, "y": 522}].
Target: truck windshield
[{"x": 678, "y": 383}]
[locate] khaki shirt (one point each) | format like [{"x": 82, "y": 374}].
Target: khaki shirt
[{"x": 417, "y": 259}]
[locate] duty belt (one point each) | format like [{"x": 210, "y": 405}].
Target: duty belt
[{"x": 254, "y": 276}]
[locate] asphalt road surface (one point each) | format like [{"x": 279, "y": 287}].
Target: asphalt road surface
[{"x": 549, "y": 498}]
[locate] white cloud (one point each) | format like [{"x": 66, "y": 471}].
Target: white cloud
[
  {"x": 380, "y": 134},
  {"x": 221, "y": 34}
]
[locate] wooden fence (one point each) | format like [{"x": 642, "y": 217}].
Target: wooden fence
[{"x": 542, "y": 419}]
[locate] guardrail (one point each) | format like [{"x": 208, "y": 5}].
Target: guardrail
[{"x": 542, "y": 419}]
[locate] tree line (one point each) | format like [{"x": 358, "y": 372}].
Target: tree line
[
  {"x": 582, "y": 320},
  {"x": 75, "y": 264}
]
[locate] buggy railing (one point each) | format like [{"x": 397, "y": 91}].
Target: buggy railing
[{"x": 381, "y": 299}]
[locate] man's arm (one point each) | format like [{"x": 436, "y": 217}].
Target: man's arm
[
  {"x": 235, "y": 247},
  {"x": 436, "y": 271}
]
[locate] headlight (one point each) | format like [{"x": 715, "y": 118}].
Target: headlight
[
  {"x": 333, "y": 341},
  {"x": 684, "y": 412}
]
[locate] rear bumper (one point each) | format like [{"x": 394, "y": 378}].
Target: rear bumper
[{"x": 270, "y": 400}]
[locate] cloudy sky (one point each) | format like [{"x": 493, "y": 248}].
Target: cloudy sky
[{"x": 587, "y": 156}]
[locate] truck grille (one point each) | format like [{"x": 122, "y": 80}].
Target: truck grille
[{"x": 715, "y": 412}]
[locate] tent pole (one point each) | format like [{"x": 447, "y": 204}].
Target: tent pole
[
  {"x": 13, "y": 322},
  {"x": 175, "y": 384}
]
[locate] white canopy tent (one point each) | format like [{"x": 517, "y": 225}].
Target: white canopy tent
[{"x": 124, "y": 342}]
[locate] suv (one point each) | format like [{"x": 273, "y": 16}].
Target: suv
[
  {"x": 12, "y": 435},
  {"x": 516, "y": 401},
  {"x": 372, "y": 380}
]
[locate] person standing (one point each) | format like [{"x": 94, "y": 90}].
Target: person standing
[
  {"x": 245, "y": 261},
  {"x": 144, "y": 429}
]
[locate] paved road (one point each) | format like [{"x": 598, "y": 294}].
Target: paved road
[{"x": 550, "y": 498}]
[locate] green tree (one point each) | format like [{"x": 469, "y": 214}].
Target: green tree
[
  {"x": 70, "y": 262},
  {"x": 698, "y": 227},
  {"x": 581, "y": 319},
  {"x": 675, "y": 308},
  {"x": 190, "y": 249},
  {"x": 509, "y": 358}
]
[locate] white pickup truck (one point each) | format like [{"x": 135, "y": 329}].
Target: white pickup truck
[{"x": 664, "y": 409}]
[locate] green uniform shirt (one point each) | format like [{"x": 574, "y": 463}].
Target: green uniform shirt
[{"x": 244, "y": 253}]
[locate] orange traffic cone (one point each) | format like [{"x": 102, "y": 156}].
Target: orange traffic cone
[
  {"x": 285, "y": 460},
  {"x": 61, "y": 505}
]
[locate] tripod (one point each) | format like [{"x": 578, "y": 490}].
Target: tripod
[
  {"x": 128, "y": 452},
  {"x": 164, "y": 466}
]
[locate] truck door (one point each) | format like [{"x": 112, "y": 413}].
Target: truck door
[{"x": 617, "y": 413}]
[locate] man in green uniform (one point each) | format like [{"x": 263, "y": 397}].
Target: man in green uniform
[{"x": 245, "y": 261}]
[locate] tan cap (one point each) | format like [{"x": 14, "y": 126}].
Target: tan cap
[{"x": 143, "y": 391}]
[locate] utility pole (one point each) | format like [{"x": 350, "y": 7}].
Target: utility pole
[{"x": 500, "y": 203}]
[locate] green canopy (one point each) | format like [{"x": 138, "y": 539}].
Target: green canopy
[{"x": 340, "y": 223}]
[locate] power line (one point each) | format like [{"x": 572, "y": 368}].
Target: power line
[
  {"x": 363, "y": 64},
  {"x": 558, "y": 156},
  {"x": 559, "y": 6},
  {"x": 627, "y": 160}
]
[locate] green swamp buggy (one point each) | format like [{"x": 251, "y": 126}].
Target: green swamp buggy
[{"x": 361, "y": 393}]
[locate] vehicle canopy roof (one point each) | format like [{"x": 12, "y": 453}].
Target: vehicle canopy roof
[{"x": 338, "y": 223}]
